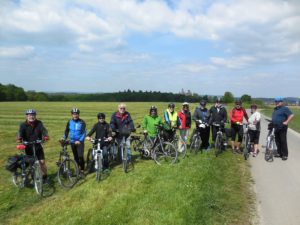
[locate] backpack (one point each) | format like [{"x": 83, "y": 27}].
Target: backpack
[{"x": 12, "y": 163}]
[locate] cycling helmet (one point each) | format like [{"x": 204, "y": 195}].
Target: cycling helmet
[
  {"x": 253, "y": 106},
  {"x": 30, "y": 111},
  {"x": 278, "y": 99},
  {"x": 203, "y": 103},
  {"x": 185, "y": 103},
  {"x": 238, "y": 102},
  {"x": 171, "y": 105},
  {"x": 153, "y": 108},
  {"x": 101, "y": 116},
  {"x": 75, "y": 111},
  {"x": 218, "y": 100}
]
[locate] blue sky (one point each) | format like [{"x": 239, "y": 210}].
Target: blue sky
[{"x": 206, "y": 46}]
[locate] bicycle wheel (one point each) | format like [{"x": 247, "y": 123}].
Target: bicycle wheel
[
  {"x": 124, "y": 158},
  {"x": 67, "y": 174},
  {"x": 38, "y": 179},
  {"x": 90, "y": 163},
  {"x": 18, "y": 179},
  {"x": 136, "y": 144},
  {"x": 246, "y": 148},
  {"x": 195, "y": 144},
  {"x": 166, "y": 154},
  {"x": 181, "y": 149},
  {"x": 218, "y": 145},
  {"x": 99, "y": 168}
]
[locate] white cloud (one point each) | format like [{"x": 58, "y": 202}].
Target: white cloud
[
  {"x": 233, "y": 63},
  {"x": 16, "y": 52}
]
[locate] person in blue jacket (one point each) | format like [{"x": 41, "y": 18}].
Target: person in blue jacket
[{"x": 76, "y": 127}]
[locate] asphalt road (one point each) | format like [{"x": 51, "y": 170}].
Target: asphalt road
[{"x": 277, "y": 183}]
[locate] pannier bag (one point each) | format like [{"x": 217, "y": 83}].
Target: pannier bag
[{"x": 12, "y": 163}]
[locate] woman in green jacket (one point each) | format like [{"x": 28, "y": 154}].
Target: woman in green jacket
[{"x": 151, "y": 121}]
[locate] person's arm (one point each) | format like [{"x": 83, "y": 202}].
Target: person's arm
[
  {"x": 245, "y": 114},
  {"x": 131, "y": 124},
  {"x": 196, "y": 116},
  {"x": 166, "y": 117},
  {"x": 45, "y": 135},
  {"x": 83, "y": 131},
  {"x": 67, "y": 130},
  {"x": 144, "y": 123},
  {"x": 113, "y": 122},
  {"x": 92, "y": 131},
  {"x": 288, "y": 119},
  {"x": 20, "y": 134}
]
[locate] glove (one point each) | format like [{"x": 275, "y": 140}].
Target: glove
[
  {"x": 145, "y": 131},
  {"x": 46, "y": 138},
  {"x": 88, "y": 138},
  {"x": 200, "y": 121},
  {"x": 202, "y": 125},
  {"x": 238, "y": 123},
  {"x": 21, "y": 147}
]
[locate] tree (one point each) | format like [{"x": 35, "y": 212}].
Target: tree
[
  {"x": 228, "y": 97},
  {"x": 246, "y": 98}
]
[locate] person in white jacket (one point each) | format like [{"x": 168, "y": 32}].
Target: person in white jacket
[{"x": 254, "y": 127}]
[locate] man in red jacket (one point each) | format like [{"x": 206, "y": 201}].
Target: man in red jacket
[{"x": 237, "y": 115}]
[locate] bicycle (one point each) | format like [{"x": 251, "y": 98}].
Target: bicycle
[
  {"x": 162, "y": 152},
  {"x": 270, "y": 146},
  {"x": 248, "y": 146},
  {"x": 95, "y": 157},
  {"x": 220, "y": 143},
  {"x": 195, "y": 143},
  {"x": 68, "y": 171},
  {"x": 29, "y": 165}
]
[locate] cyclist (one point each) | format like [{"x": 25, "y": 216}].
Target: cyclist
[
  {"x": 77, "y": 129},
  {"x": 122, "y": 123},
  {"x": 237, "y": 114},
  {"x": 151, "y": 121},
  {"x": 185, "y": 120},
  {"x": 218, "y": 115},
  {"x": 171, "y": 119},
  {"x": 32, "y": 130},
  {"x": 281, "y": 116},
  {"x": 201, "y": 117},
  {"x": 254, "y": 127},
  {"x": 103, "y": 131}
]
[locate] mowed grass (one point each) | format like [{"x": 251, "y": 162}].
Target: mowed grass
[
  {"x": 199, "y": 189},
  {"x": 295, "y": 122}
]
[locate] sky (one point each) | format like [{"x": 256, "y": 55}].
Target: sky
[{"x": 205, "y": 46}]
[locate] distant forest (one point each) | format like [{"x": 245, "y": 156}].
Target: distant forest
[{"x": 11, "y": 92}]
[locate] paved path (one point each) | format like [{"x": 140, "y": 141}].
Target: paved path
[{"x": 277, "y": 183}]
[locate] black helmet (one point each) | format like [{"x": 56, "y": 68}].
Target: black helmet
[
  {"x": 238, "y": 102},
  {"x": 30, "y": 111},
  {"x": 171, "y": 105},
  {"x": 153, "y": 108},
  {"x": 253, "y": 106},
  {"x": 101, "y": 116},
  {"x": 218, "y": 100},
  {"x": 203, "y": 103},
  {"x": 75, "y": 111}
]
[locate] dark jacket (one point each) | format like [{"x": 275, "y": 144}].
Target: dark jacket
[
  {"x": 32, "y": 131},
  {"x": 121, "y": 122},
  {"x": 102, "y": 130},
  {"x": 201, "y": 114},
  {"x": 217, "y": 115}
]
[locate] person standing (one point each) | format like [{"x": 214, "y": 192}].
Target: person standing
[
  {"x": 218, "y": 115},
  {"x": 201, "y": 117},
  {"x": 32, "y": 130},
  {"x": 171, "y": 116},
  {"x": 237, "y": 115},
  {"x": 103, "y": 132},
  {"x": 122, "y": 124},
  {"x": 281, "y": 116},
  {"x": 151, "y": 121},
  {"x": 185, "y": 123},
  {"x": 76, "y": 127},
  {"x": 254, "y": 127}
]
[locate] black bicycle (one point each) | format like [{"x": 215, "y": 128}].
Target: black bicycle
[
  {"x": 248, "y": 146},
  {"x": 270, "y": 146},
  {"x": 68, "y": 171},
  {"x": 29, "y": 169},
  {"x": 220, "y": 142}
]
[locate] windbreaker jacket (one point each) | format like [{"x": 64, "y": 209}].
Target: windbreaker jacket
[
  {"x": 201, "y": 114},
  {"x": 77, "y": 130},
  {"x": 32, "y": 131},
  {"x": 171, "y": 118},
  {"x": 102, "y": 130},
  {"x": 185, "y": 120},
  {"x": 237, "y": 115},
  {"x": 120, "y": 121},
  {"x": 217, "y": 115},
  {"x": 150, "y": 123}
]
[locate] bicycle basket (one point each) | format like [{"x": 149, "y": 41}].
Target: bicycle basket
[
  {"x": 12, "y": 163},
  {"x": 125, "y": 132}
]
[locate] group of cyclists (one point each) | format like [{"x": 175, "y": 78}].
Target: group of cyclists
[{"x": 121, "y": 124}]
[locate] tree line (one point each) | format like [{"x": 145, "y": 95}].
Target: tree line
[{"x": 11, "y": 92}]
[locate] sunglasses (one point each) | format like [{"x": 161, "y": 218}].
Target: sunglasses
[
  {"x": 122, "y": 108},
  {"x": 101, "y": 118}
]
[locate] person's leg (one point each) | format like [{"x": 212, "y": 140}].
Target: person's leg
[
  {"x": 233, "y": 136},
  {"x": 80, "y": 153},
  {"x": 105, "y": 158},
  {"x": 278, "y": 143},
  {"x": 283, "y": 142},
  {"x": 240, "y": 137}
]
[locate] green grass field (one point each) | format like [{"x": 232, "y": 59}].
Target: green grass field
[{"x": 199, "y": 189}]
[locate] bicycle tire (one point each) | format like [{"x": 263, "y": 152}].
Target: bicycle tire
[
  {"x": 99, "y": 169},
  {"x": 124, "y": 158},
  {"x": 218, "y": 145},
  {"x": 182, "y": 151},
  {"x": 195, "y": 145},
  {"x": 90, "y": 163},
  {"x": 18, "y": 179},
  {"x": 166, "y": 154},
  {"x": 246, "y": 148},
  {"x": 38, "y": 179},
  {"x": 68, "y": 173}
]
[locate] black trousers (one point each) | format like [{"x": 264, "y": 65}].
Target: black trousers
[
  {"x": 281, "y": 141},
  {"x": 204, "y": 135},
  {"x": 78, "y": 152}
]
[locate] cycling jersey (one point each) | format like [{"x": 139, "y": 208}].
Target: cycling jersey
[
  {"x": 237, "y": 115},
  {"x": 77, "y": 130},
  {"x": 102, "y": 130},
  {"x": 201, "y": 114}
]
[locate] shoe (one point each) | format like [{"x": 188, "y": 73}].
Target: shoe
[
  {"x": 81, "y": 175},
  {"x": 238, "y": 151},
  {"x": 284, "y": 157},
  {"x": 254, "y": 154},
  {"x": 277, "y": 155}
]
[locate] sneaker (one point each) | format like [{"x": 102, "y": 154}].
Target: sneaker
[
  {"x": 254, "y": 154},
  {"x": 284, "y": 157},
  {"x": 278, "y": 156}
]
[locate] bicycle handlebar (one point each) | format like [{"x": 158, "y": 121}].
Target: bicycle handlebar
[{"x": 32, "y": 142}]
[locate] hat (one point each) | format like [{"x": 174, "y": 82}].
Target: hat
[{"x": 278, "y": 99}]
